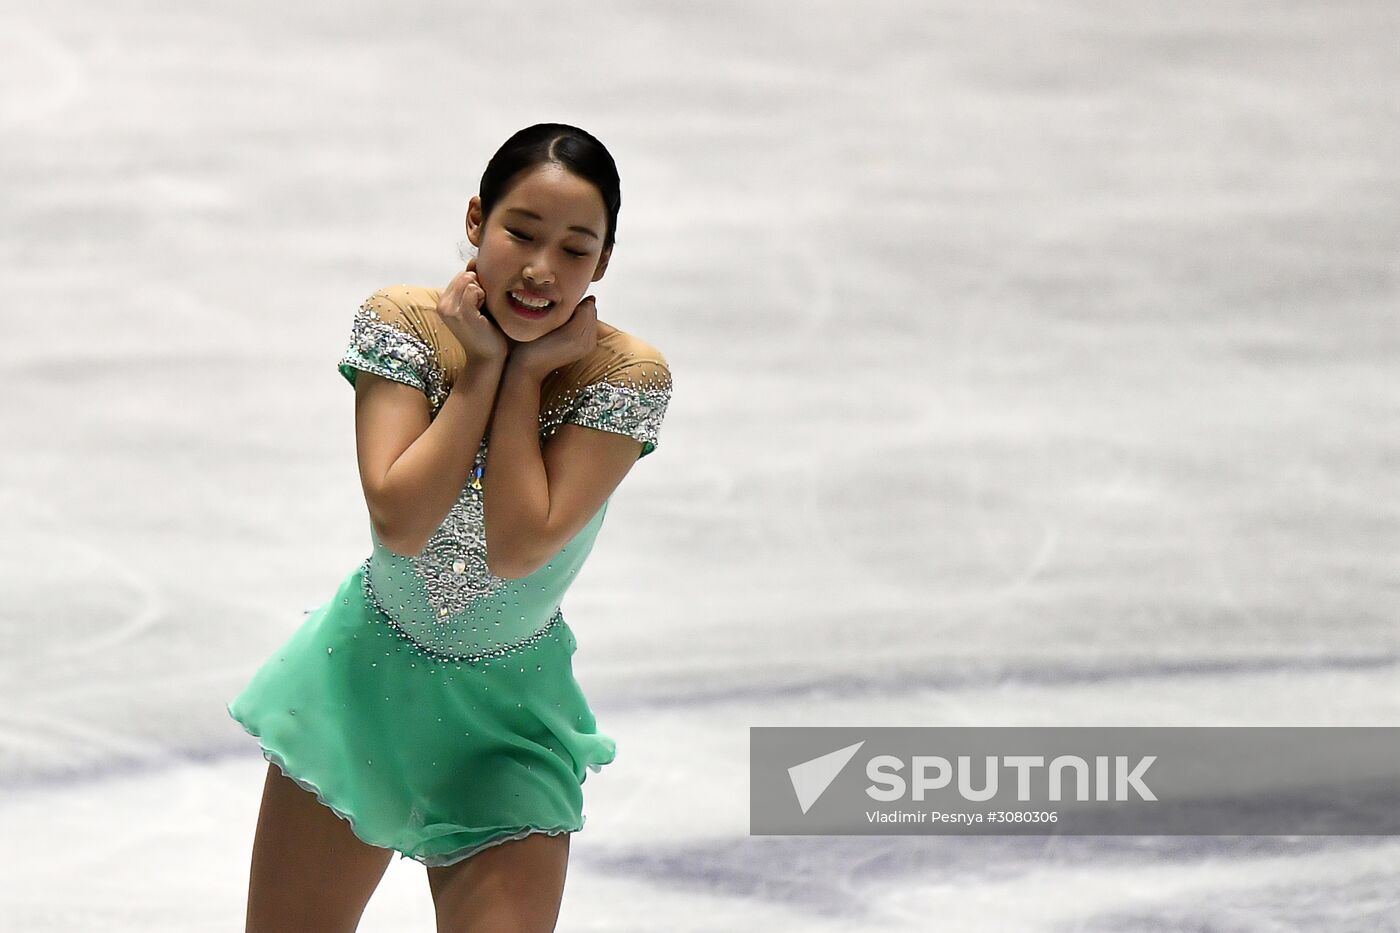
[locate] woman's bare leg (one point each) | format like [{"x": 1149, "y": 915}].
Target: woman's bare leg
[
  {"x": 310, "y": 873},
  {"x": 514, "y": 887}
]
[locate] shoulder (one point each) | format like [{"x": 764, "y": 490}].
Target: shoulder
[
  {"x": 629, "y": 344},
  {"x": 398, "y": 334},
  {"x": 408, "y": 307},
  {"x": 622, "y": 386},
  {"x": 413, "y": 310},
  {"x": 621, "y": 364},
  {"x": 620, "y": 353}
]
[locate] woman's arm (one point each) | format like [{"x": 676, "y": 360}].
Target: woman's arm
[
  {"x": 413, "y": 467},
  {"x": 536, "y": 502}
]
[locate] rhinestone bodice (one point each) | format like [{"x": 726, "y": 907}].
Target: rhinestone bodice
[{"x": 445, "y": 599}]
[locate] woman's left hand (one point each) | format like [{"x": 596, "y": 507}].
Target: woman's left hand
[{"x": 572, "y": 340}]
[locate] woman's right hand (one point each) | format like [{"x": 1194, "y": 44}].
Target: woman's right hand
[{"x": 460, "y": 309}]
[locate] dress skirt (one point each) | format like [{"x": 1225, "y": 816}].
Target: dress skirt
[{"x": 434, "y": 758}]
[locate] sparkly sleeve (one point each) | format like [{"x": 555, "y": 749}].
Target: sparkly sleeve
[
  {"x": 384, "y": 341},
  {"x": 629, "y": 400}
]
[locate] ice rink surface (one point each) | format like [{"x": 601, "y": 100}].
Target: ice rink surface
[{"x": 1035, "y": 364}]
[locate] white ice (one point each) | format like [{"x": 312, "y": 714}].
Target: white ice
[{"x": 1035, "y": 364}]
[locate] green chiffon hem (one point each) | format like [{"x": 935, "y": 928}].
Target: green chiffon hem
[{"x": 436, "y": 759}]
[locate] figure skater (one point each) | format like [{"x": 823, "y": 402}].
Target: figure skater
[{"x": 429, "y": 708}]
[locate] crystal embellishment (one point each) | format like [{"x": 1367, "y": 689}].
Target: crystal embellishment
[
  {"x": 378, "y": 347},
  {"x": 499, "y": 651},
  {"x": 623, "y": 403},
  {"x": 635, "y": 412},
  {"x": 452, "y": 565}
]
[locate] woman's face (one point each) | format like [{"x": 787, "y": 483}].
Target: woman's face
[{"x": 544, "y": 239}]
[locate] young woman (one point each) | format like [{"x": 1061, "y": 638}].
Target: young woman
[{"x": 430, "y": 707}]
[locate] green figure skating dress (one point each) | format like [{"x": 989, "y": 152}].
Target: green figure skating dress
[{"x": 430, "y": 703}]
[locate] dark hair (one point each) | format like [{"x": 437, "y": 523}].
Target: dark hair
[{"x": 560, "y": 144}]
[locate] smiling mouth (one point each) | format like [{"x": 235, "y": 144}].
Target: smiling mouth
[{"x": 525, "y": 310}]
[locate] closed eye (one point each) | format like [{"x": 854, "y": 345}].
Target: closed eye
[{"x": 520, "y": 236}]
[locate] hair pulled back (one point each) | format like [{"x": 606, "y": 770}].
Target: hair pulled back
[{"x": 560, "y": 144}]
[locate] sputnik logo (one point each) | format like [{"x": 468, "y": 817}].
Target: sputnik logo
[{"x": 810, "y": 779}]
